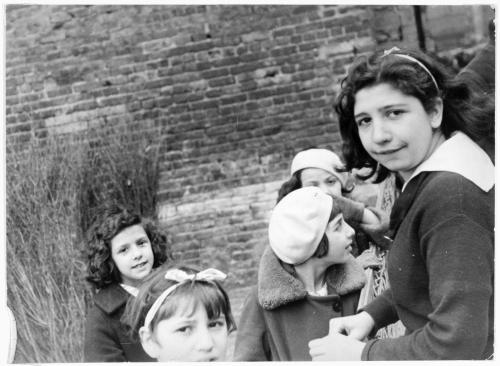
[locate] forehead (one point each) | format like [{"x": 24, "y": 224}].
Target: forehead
[
  {"x": 315, "y": 173},
  {"x": 379, "y": 96},
  {"x": 189, "y": 308},
  {"x": 127, "y": 234}
]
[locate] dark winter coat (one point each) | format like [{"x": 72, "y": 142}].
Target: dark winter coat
[
  {"x": 105, "y": 336},
  {"x": 441, "y": 270},
  {"x": 279, "y": 317}
]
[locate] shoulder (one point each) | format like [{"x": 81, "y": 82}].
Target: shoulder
[
  {"x": 446, "y": 195},
  {"x": 111, "y": 298},
  {"x": 449, "y": 182},
  {"x": 453, "y": 191}
]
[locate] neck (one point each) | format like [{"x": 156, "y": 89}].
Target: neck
[
  {"x": 312, "y": 274},
  {"x": 436, "y": 140}
]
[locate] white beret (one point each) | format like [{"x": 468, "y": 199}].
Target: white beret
[
  {"x": 298, "y": 222},
  {"x": 319, "y": 158}
]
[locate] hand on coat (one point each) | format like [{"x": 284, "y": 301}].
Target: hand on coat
[{"x": 339, "y": 347}]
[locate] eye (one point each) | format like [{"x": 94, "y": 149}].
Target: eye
[
  {"x": 394, "y": 113},
  {"x": 363, "y": 121},
  {"x": 217, "y": 323},
  {"x": 143, "y": 242},
  {"x": 185, "y": 329},
  {"x": 337, "y": 225},
  {"x": 122, "y": 250},
  {"x": 331, "y": 181}
]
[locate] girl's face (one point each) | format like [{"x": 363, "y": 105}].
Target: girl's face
[
  {"x": 340, "y": 236},
  {"x": 132, "y": 253},
  {"x": 395, "y": 129},
  {"x": 320, "y": 178},
  {"x": 187, "y": 336}
]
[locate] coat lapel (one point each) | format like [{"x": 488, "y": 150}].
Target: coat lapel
[{"x": 277, "y": 287}]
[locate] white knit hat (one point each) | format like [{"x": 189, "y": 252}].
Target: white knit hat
[
  {"x": 319, "y": 158},
  {"x": 298, "y": 222}
]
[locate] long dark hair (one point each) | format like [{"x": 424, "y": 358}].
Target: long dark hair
[{"x": 463, "y": 109}]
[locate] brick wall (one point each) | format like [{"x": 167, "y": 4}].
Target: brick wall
[{"x": 232, "y": 92}]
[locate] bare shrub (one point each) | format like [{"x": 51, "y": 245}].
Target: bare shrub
[{"x": 52, "y": 190}]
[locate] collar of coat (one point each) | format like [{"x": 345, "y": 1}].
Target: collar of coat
[
  {"x": 111, "y": 298},
  {"x": 277, "y": 287}
]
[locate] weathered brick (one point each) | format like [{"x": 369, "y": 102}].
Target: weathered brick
[
  {"x": 264, "y": 93},
  {"x": 245, "y": 68},
  {"x": 234, "y": 90},
  {"x": 214, "y": 73},
  {"x": 221, "y": 81},
  {"x": 284, "y": 51},
  {"x": 234, "y": 99}
]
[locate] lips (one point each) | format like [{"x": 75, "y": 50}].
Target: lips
[
  {"x": 388, "y": 151},
  {"x": 140, "y": 265}
]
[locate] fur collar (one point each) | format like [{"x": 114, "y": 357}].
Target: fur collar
[{"x": 277, "y": 287}]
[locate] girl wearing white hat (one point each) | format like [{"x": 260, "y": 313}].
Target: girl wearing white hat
[
  {"x": 323, "y": 168},
  {"x": 306, "y": 277}
]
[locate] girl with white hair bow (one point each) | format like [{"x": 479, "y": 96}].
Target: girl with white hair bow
[{"x": 181, "y": 315}]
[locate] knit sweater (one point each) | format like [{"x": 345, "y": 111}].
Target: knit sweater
[
  {"x": 106, "y": 339},
  {"x": 441, "y": 271},
  {"x": 279, "y": 317}
]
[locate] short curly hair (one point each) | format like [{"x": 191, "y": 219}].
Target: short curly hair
[{"x": 110, "y": 220}]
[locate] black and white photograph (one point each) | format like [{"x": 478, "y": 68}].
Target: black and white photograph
[{"x": 247, "y": 181}]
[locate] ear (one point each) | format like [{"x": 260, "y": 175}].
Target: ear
[
  {"x": 148, "y": 342},
  {"x": 436, "y": 113}
]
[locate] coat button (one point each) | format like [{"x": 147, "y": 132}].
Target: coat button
[{"x": 337, "y": 306}]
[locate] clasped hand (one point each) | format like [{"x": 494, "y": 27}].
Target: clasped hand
[{"x": 344, "y": 340}]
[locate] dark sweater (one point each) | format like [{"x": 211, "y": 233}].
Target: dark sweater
[
  {"x": 279, "y": 317},
  {"x": 105, "y": 336},
  {"x": 441, "y": 271}
]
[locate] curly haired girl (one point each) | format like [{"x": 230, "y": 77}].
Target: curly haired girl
[{"x": 122, "y": 249}]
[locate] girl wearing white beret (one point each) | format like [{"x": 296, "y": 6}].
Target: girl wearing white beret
[
  {"x": 323, "y": 168},
  {"x": 306, "y": 277}
]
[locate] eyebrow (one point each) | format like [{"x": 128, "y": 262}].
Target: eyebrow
[
  {"x": 399, "y": 105},
  {"x": 336, "y": 219},
  {"x": 120, "y": 247}
]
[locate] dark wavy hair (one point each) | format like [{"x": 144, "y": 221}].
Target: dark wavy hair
[
  {"x": 109, "y": 221},
  {"x": 463, "y": 109},
  {"x": 211, "y": 295}
]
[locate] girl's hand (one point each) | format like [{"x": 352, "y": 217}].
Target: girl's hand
[
  {"x": 369, "y": 259},
  {"x": 355, "y": 326},
  {"x": 375, "y": 221},
  {"x": 335, "y": 347}
]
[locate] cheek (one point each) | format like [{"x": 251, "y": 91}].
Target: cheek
[
  {"x": 117, "y": 262},
  {"x": 364, "y": 137},
  {"x": 174, "y": 348},
  {"x": 221, "y": 341}
]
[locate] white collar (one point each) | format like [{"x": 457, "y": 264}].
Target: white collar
[
  {"x": 459, "y": 154},
  {"x": 130, "y": 289}
]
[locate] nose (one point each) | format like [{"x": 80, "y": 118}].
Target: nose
[
  {"x": 350, "y": 231},
  {"x": 137, "y": 252},
  {"x": 205, "y": 341},
  {"x": 380, "y": 133}
]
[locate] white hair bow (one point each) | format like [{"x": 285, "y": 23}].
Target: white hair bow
[
  {"x": 390, "y": 51},
  {"x": 178, "y": 275}
]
